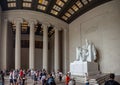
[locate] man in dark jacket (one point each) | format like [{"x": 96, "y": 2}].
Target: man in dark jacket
[
  {"x": 1, "y": 78},
  {"x": 111, "y": 81},
  {"x": 50, "y": 80}
]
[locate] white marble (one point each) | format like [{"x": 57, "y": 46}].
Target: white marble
[
  {"x": 32, "y": 44},
  {"x": 45, "y": 46},
  {"x": 5, "y": 45},
  {"x": 102, "y": 27},
  {"x": 56, "y": 51},
  {"x": 18, "y": 43},
  {"x": 86, "y": 53},
  {"x": 82, "y": 68},
  {"x": 84, "y": 64}
]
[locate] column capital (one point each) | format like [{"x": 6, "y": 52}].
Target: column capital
[
  {"x": 57, "y": 28},
  {"x": 32, "y": 21},
  {"x": 18, "y": 20},
  {"x": 45, "y": 24}
]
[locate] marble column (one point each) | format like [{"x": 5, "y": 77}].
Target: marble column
[
  {"x": 65, "y": 51},
  {"x": 56, "y": 51},
  {"x": 18, "y": 22},
  {"x": 32, "y": 44},
  {"x": 45, "y": 46},
  {"x": 4, "y": 44}
]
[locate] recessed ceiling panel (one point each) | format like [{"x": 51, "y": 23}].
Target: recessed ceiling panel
[{"x": 66, "y": 10}]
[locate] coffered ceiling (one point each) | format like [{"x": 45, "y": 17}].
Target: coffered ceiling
[{"x": 66, "y": 10}]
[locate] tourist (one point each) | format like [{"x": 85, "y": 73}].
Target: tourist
[
  {"x": 53, "y": 74},
  {"x": 72, "y": 82},
  {"x": 19, "y": 80},
  {"x": 69, "y": 74},
  {"x": 50, "y": 80},
  {"x": 11, "y": 77},
  {"x": 32, "y": 74},
  {"x": 21, "y": 73},
  {"x": 60, "y": 76},
  {"x": 87, "y": 82},
  {"x": 1, "y": 78},
  {"x": 39, "y": 76},
  {"x": 57, "y": 75},
  {"x": 67, "y": 79},
  {"x": 35, "y": 77},
  {"x": 23, "y": 80},
  {"x": 43, "y": 77},
  {"x": 111, "y": 81},
  {"x": 15, "y": 77}
]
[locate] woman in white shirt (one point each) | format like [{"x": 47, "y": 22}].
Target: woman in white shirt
[{"x": 11, "y": 77}]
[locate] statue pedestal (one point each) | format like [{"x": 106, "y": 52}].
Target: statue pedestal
[{"x": 80, "y": 68}]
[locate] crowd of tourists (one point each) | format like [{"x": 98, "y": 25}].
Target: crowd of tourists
[{"x": 20, "y": 77}]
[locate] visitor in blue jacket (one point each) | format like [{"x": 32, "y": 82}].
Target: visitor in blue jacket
[{"x": 50, "y": 80}]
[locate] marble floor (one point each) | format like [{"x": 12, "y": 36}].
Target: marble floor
[{"x": 30, "y": 82}]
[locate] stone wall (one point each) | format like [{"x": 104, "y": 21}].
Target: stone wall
[{"x": 100, "y": 25}]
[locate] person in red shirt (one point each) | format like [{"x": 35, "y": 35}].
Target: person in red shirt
[
  {"x": 21, "y": 73},
  {"x": 67, "y": 79}
]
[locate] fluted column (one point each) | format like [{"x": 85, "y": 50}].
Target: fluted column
[
  {"x": 65, "y": 51},
  {"x": 45, "y": 46},
  {"x": 4, "y": 44},
  {"x": 32, "y": 44},
  {"x": 56, "y": 51},
  {"x": 18, "y": 43}
]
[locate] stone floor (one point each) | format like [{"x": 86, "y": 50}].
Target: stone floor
[{"x": 30, "y": 82}]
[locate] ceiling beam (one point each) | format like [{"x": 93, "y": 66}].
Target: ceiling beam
[
  {"x": 19, "y": 4},
  {"x": 34, "y": 4},
  {"x": 51, "y": 3},
  {"x": 66, "y": 7},
  {"x": 3, "y": 4}
]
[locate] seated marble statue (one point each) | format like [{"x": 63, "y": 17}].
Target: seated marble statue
[
  {"x": 86, "y": 53},
  {"x": 79, "y": 56},
  {"x": 91, "y": 51}
]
